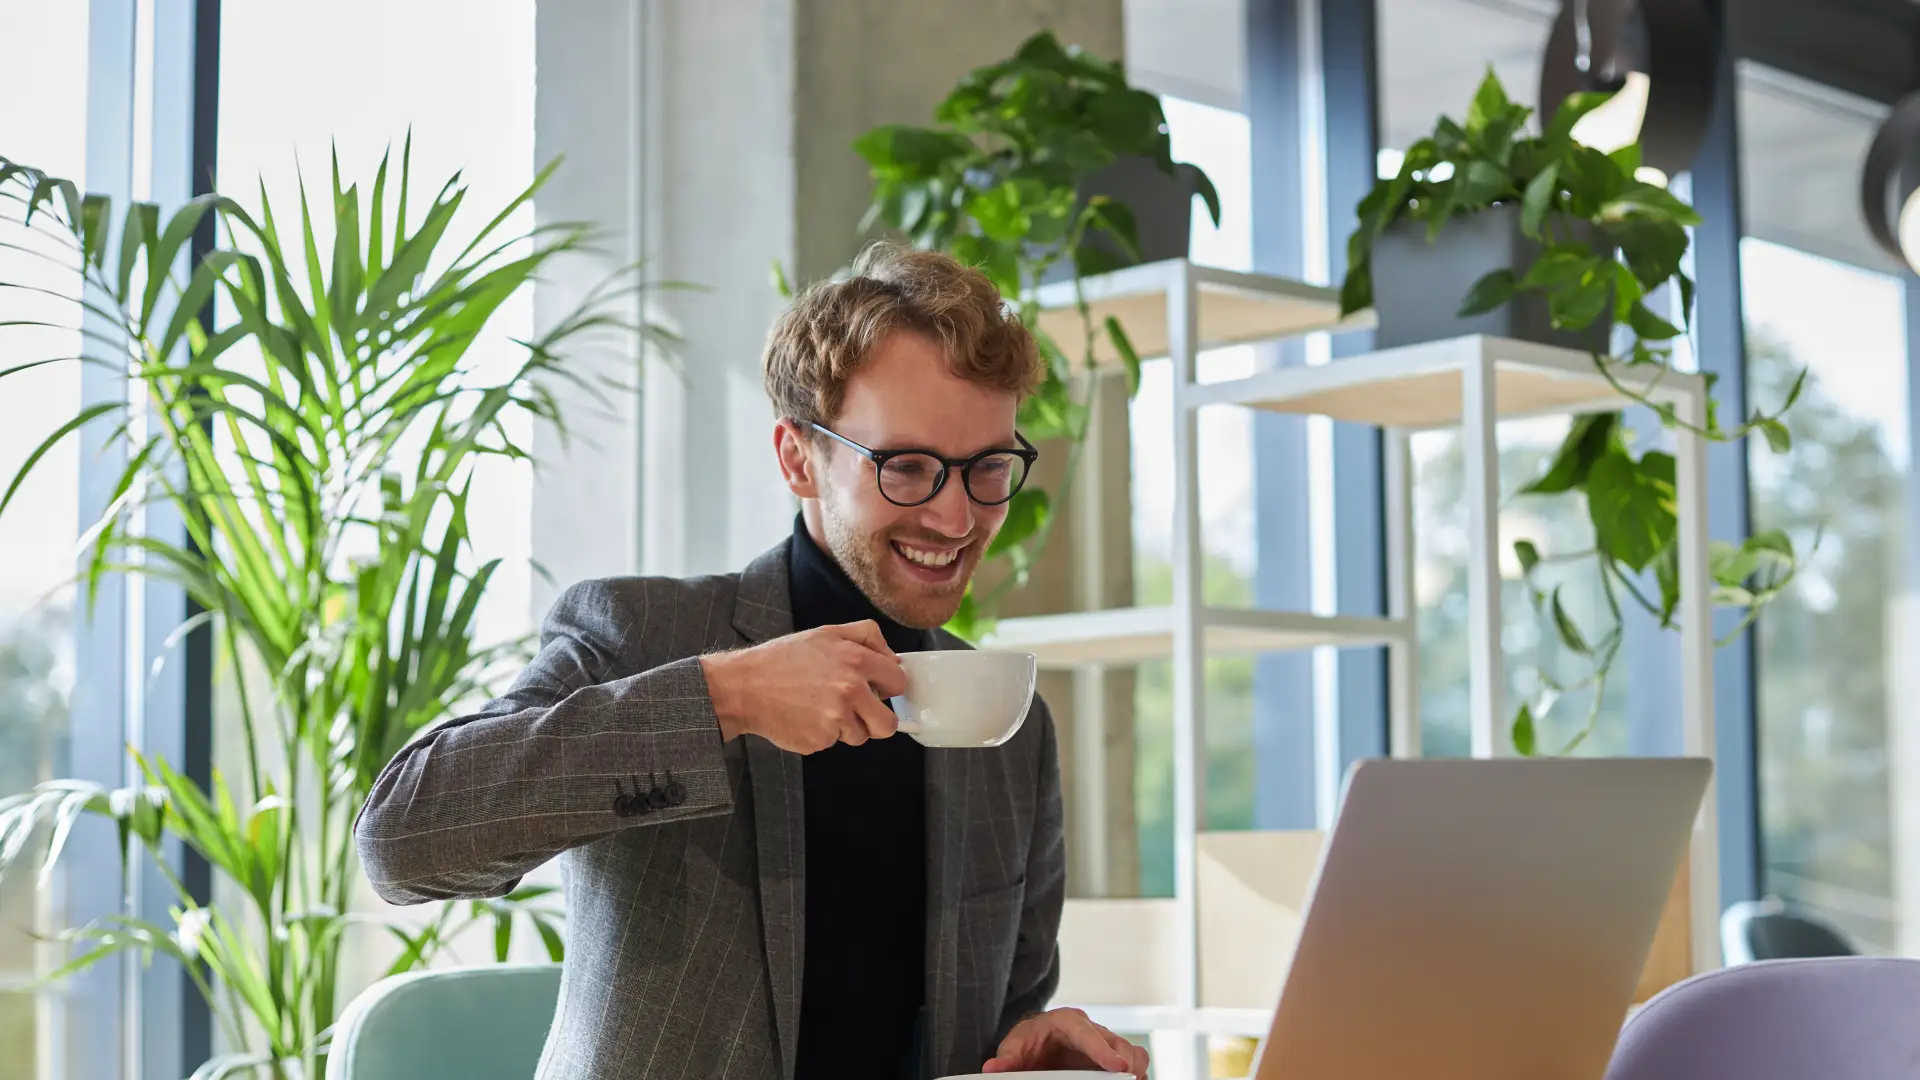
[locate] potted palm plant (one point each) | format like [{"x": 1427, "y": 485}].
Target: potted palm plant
[
  {"x": 1562, "y": 244},
  {"x": 317, "y": 439},
  {"x": 1046, "y": 166}
]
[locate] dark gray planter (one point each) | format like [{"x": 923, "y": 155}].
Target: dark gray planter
[
  {"x": 1162, "y": 209},
  {"x": 1418, "y": 286}
]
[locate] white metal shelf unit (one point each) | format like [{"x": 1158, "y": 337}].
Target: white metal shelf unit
[
  {"x": 1175, "y": 309},
  {"x": 1472, "y": 383}
]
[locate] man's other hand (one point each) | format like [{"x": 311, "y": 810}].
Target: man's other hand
[{"x": 1066, "y": 1039}]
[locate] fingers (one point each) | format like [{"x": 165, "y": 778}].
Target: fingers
[
  {"x": 882, "y": 671},
  {"x": 1097, "y": 1043},
  {"x": 853, "y": 731},
  {"x": 866, "y": 632},
  {"x": 875, "y": 719},
  {"x": 1068, "y": 1030},
  {"x": 1017, "y": 1050}
]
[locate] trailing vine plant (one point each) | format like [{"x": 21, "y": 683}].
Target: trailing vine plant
[{"x": 1566, "y": 192}]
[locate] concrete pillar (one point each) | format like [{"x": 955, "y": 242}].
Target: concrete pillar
[
  {"x": 586, "y": 491},
  {"x": 1103, "y": 842}
]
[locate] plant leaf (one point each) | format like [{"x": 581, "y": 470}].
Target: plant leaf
[
  {"x": 1666, "y": 573},
  {"x": 550, "y": 936},
  {"x": 1777, "y": 435},
  {"x": 1648, "y": 325},
  {"x": 1527, "y": 554},
  {"x": 1569, "y": 631},
  {"x": 1525, "y": 740},
  {"x": 1489, "y": 103},
  {"x": 1122, "y": 345},
  {"x": 1492, "y": 290},
  {"x": 1538, "y": 198},
  {"x": 1027, "y": 514},
  {"x": 1590, "y": 437},
  {"x": 1632, "y": 506},
  {"x": 1574, "y": 307}
]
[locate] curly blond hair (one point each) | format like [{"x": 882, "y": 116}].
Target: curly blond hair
[{"x": 821, "y": 340}]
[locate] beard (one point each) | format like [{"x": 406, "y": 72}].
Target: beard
[{"x": 871, "y": 562}]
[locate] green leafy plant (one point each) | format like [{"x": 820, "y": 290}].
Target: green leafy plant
[
  {"x": 996, "y": 182},
  {"x": 1567, "y": 193},
  {"x": 313, "y": 418}
]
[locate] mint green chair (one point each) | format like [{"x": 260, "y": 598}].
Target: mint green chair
[{"x": 474, "y": 1023}]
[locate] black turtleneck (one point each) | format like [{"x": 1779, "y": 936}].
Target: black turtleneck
[{"x": 863, "y": 974}]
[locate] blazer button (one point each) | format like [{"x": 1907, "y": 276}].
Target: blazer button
[
  {"x": 633, "y": 805},
  {"x": 676, "y": 791}
]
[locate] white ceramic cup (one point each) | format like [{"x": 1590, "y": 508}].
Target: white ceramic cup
[{"x": 965, "y": 697}]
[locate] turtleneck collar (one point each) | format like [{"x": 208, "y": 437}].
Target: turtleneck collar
[{"x": 823, "y": 595}]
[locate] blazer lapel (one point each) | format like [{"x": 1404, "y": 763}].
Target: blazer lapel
[
  {"x": 947, "y": 777},
  {"x": 762, "y": 611}
]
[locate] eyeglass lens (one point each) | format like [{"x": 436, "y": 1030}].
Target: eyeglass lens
[{"x": 915, "y": 478}]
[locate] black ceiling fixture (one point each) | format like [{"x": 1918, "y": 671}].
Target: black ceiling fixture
[
  {"x": 1890, "y": 178},
  {"x": 1659, "y": 56}
]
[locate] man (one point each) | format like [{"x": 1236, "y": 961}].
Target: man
[{"x": 762, "y": 881}]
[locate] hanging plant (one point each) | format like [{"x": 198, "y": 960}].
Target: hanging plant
[{"x": 1608, "y": 241}]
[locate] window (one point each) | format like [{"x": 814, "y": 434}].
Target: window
[
  {"x": 1818, "y": 294},
  {"x": 42, "y": 46}
]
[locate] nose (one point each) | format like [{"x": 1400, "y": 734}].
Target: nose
[{"x": 950, "y": 512}]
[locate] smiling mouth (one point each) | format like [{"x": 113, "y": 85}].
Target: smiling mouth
[{"x": 932, "y": 561}]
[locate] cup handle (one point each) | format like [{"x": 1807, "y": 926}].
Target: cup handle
[{"x": 911, "y": 727}]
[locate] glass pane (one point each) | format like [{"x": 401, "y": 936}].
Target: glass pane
[
  {"x": 1529, "y": 641},
  {"x": 1433, "y": 54},
  {"x": 458, "y": 77},
  {"x": 1818, "y": 295},
  {"x": 42, "y": 46}
]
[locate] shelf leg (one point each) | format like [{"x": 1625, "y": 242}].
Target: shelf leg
[
  {"x": 1403, "y": 656},
  {"x": 1696, "y": 675},
  {"x": 1486, "y": 671},
  {"x": 1189, "y": 660},
  {"x": 1178, "y": 1055}
]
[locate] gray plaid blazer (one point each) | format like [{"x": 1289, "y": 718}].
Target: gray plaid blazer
[{"x": 685, "y": 925}]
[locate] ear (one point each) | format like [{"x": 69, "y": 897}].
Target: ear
[{"x": 795, "y": 452}]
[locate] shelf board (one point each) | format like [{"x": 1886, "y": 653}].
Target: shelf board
[
  {"x": 1235, "y": 308},
  {"x": 1144, "y": 1019},
  {"x": 1419, "y": 386},
  {"x": 1133, "y": 635}
]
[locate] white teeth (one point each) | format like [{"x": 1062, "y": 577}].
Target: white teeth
[{"x": 935, "y": 559}]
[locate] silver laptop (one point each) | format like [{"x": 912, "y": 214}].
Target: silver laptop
[{"x": 1482, "y": 920}]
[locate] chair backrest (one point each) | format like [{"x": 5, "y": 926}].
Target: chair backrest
[
  {"x": 478, "y": 1023},
  {"x": 1842, "y": 1018},
  {"x": 1769, "y": 930}
]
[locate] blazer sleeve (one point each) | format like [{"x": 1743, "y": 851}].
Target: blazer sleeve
[
  {"x": 474, "y": 804},
  {"x": 1036, "y": 957}
]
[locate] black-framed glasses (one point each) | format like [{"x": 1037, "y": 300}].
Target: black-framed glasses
[{"x": 910, "y": 477}]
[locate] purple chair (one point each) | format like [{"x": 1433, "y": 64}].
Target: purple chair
[{"x": 1841, "y": 1018}]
